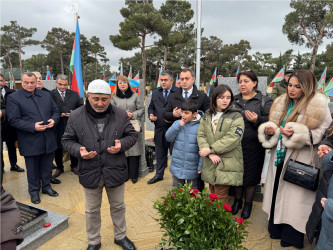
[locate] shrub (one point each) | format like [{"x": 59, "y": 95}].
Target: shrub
[{"x": 194, "y": 220}]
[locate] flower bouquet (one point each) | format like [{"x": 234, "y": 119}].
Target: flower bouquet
[{"x": 194, "y": 220}]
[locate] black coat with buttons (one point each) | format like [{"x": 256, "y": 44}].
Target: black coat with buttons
[{"x": 253, "y": 152}]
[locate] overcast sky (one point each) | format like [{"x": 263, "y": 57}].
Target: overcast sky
[{"x": 259, "y": 22}]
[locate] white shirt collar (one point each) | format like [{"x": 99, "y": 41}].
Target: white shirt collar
[{"x": 189, "y": 92}]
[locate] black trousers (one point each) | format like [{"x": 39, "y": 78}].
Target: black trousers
[
  {"x": 39, "y": 169},
  {"x": 11, "y": 153},
  {"x": 58, "y": 159},
  {"x": 161, "y": 153},
  {"x": 133, "y": 163},
  {"x": 284, "y": 232}
]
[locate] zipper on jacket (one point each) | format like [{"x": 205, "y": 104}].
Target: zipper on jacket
[{"x": 221, "y": 124}]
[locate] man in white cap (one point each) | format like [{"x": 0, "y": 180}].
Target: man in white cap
[{"x": 98, "y": 134}]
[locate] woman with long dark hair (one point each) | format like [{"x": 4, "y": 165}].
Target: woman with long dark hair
[{"x": 297, "y": 120}]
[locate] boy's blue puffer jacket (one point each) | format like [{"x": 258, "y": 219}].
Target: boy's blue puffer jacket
[{"x": 185, "y": 161}]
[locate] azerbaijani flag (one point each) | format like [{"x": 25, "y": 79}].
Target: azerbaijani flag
[
  {"x": 11, "y": 82},
  {"x": 113, "y": 77},
  {"x": 177, "y": 78},
  {"x": 237, "y": 72},
  {"x": 135, "y": 85},
  {"x": 130, "y": 73},
  {"x": 75, "y": 65},
  {"x": 48, "y": 75},
  {"x": 321, "y": 81},
  {"x": 212, "y": 80},
  {"x": 329, "y": 89},
  {"x": 159, "y": 78},
  {"x": 103, "y": 75},
  {"x": 112, "y": 83},
  {"x": 279, "y": 77},
  {"x": 136, "y": 76}
]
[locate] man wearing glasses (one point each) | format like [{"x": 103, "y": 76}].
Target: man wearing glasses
[{"x": 155, "y": 111}]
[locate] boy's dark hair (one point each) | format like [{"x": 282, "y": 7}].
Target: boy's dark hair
[
  {"x": 219, "y": 90},
  {"x": 189, "y": 105}
]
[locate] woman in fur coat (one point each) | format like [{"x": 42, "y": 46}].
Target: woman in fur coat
[{"x": 296, "y": 118}]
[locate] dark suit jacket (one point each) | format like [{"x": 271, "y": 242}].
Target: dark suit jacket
[
  {"x": 24, "y": 110},
  {"x": 176, "y": 100},
  {"x": 8, "y": 132},
  {"x": 156, "y": 108},
  {"x": 72, "y": 101}
]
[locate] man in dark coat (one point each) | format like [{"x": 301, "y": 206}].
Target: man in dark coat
[
  {"x": 155, "y": 112},
  {"x": 33, "y": 113},
  {"x": 67, "y": 100},
  {"x": 98, "y": 134},
  {"x": 40, "y": 84},
  {"x": 8, "y": 133},
  {"x": 188, "y": 90}
]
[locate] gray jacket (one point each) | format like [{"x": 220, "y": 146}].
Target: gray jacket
[
  {"x": 134, "y": 105},
  {"x": 82, "y": 131}
]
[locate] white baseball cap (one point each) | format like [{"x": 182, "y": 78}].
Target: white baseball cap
[{"x": 99, "y": 87}]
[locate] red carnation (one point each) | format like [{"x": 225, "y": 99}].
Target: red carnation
[
  {"x": 227, "y": 207},
  {"x": 213, "y": 196},
  {"x": 218, "y": 206},
  {"x": 194, "y": 191},
  {"x": 173, "y": 196}
]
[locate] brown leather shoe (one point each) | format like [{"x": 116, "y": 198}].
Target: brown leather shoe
[
  {"x": 75, "y": 171},
  {"x": 57, "y": 173}
]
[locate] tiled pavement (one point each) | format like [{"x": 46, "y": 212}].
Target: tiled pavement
[{"x": 139, "y": 198}]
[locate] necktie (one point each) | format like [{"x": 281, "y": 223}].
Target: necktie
[
  {"x": 186, "y": 95},
  {"x": 63, "y": 95},
  {"x": 165, "y": 96}
]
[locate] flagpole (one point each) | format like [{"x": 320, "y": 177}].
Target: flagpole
[{"x": 198, "y": 43}]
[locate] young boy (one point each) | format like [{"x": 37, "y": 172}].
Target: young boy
[{"x": 186, "y": 163}]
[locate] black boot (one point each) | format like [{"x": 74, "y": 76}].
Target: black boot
[
  {"x": 246, "y": 210},
  {"x": 238, "y": 203}
]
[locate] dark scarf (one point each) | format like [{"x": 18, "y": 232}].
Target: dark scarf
[
  {"x": 95, "y": 114},
  {"x": 127, "y": 94}
]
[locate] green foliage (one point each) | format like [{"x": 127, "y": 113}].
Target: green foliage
[
  {"x": 18, "y": 37},
  {"x": 194, "y": 220},
  {"x": 141, "y": 19},
  {"x": 309, "y": 23}
]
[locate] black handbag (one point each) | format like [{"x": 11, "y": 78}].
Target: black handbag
[{"x": 301, "y": 174}]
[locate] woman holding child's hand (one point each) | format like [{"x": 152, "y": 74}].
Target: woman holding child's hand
[{"x": 219, "y": 139}]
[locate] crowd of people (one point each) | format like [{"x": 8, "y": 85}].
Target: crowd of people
[{"x": 218, "y": 139}]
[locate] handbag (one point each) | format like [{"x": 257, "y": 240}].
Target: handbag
[
  {"x": 136, "y": 125},
  {"x": 301, "y": 174}
]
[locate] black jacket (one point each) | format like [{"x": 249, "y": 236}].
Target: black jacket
[
  {"x": 71, "y": 102},
  {"x": 82, "y": 131},
  {"x": 176, "y": 100},
  {"x": 24, "y": 110},
  {"x": 156, "y": 108},
  {"x": 7, "y": 132},
  {"x": 253, "y": 152},
  {"x": 313, "y": 225}
]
